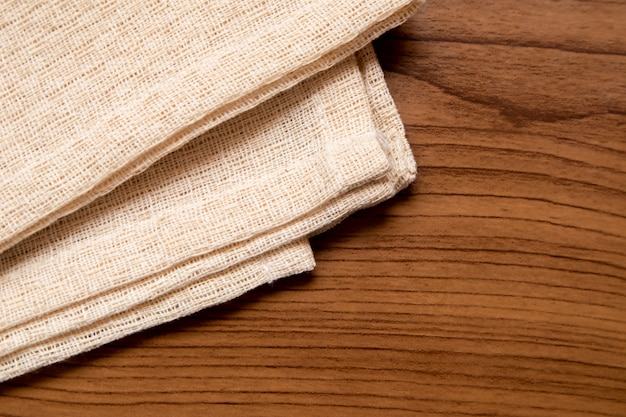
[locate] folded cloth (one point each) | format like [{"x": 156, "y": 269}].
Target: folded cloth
[
  {"x": 244, "y": 178},
  {"x": 214, "y": 289},
  {"x": 184, "y": 234},
  {"x": 354, "y": 81},
  {"x": 94, "y": 92}
]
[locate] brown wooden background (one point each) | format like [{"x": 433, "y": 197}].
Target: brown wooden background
[{"x": 495, "y": 285}]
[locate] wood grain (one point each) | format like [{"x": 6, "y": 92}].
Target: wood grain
[{"x": 495, "y": 285}]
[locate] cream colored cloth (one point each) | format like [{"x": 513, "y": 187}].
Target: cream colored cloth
[
  {"x": 54, "y": 335},
  {"x": 212, "y": 289},
  {"x": 192, "y": 230}
]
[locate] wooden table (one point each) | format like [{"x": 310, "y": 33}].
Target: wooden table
[{"x": 494, "y": 285}]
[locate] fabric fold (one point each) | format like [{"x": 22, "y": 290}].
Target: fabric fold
[
  {"x": 256, "y": 173},
  {"x": 156, "y": 225},
  {"x": 367, "y": 83},
  {"x": 110, "y": 105},
  {"x": 291, "y": 259}
]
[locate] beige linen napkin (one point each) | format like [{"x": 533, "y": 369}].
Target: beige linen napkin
[
  {"x": 344, "y": 84},
  {"x": 207, "y": 222}
]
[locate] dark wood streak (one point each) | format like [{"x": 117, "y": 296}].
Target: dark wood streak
[
  {"x": 560, "y": 139},
  {"x": 495, "y": 285}
]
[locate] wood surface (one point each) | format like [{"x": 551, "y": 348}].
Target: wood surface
[{"x": 494, "y": 285}]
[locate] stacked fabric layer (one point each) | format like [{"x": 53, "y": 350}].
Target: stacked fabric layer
[{"x": 159, "y": 159}]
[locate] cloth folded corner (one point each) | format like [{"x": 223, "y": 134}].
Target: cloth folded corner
[{"x": 148, "y": 214}]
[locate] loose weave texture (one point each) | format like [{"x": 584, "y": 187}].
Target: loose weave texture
[
  {"x": 244, "y": 178},
  {"x": 402, "y": 171},
  {"x": 291, "y": 259},
  {"x": 94, "y": 92}
]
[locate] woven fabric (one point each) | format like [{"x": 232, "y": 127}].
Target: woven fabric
[
  {"x": 246, "y": 177},
  {"x": 93, "y": 93},
  {"x": 141, "y": 224},
  {"x": 37, "y": 342},
  {"x": 291, "y": 259}
]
